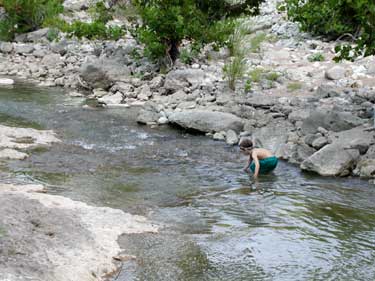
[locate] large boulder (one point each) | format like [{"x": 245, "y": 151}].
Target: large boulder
[
  {"x": 102, "y": 73},
  {"x": 273, "y": 136},
  {"x": 206, "y": 121},
  {"x": 332, "y": 160},
  {"x": 331, "y": 120},
  {"x": 340, "y": 157}
]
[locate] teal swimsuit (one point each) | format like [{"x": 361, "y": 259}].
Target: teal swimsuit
[{"x": 266, "y": 165}]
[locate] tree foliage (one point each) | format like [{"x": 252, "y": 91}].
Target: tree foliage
[
  {"x": 336, "y": 18},
  {"x": 167, "y": 22},
  {"x": 26, "y": 15}
]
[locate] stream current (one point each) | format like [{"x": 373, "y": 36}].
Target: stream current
[{"x": 215, "y": 224}]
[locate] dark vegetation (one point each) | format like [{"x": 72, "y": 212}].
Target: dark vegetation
[
  {"x": 166, "y": 23},
  {"x": 338, "y": 19}
]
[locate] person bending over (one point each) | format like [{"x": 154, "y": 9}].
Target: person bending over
[{"x": 261, "y": 161}]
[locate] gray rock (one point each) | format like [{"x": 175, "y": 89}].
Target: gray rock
[
  {"x": 103, "y": 73},
  {"x": 331, "y": 120},
  {"x": 12, "y": 154},
  {"x": 144, "y": 92},
  {"x": 298, "y": 115},
  {"x": 181, "y": 78},
  {"x": 301, "y": 153},
  {"x": 206, "y": 121},
  {"x": 220, "y": 136},
  {"x": 357, "y": 138},
  {"x": 319, "y": 142},
  {"x": 113, "y": 99},
  {"x": 366, "y": 168},
  {"x": 273, "y": 136},
  {"x": 332, "y": 160},
  {"x": 39, "y": 53},
  {"x": 6, "y": 47},
  {"x": 148, "y": 115},
  {"x": 60, "y": 47},
  {"x": 163, "y": 120},
  {"x": 309, "y": 139},
  {"x": 23, "y": 49},
  {"x": 335, "y": 73},
  {"x": 261, "y": 101},
  {"x": 231, "y": 137},
  {"x": 328, "y": 91},
  {"x": 37, "y": 36},
  {"x": 52, "y": 60},
  {"x": 156, "y": 83}
]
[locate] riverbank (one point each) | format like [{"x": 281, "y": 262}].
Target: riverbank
[
  {"x": 294, "y": 99},
  {"x": 50, "y": 237}
]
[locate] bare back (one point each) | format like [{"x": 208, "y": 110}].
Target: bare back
[{"x": 262, "y": 153}]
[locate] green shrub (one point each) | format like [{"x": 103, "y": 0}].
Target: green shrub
[
  {"x": 167, "y": 22},
  {"x": 336, "y": 18},
  {"x": 234, "y": 70},
  {"x": 27, "y": 15},
  {"x": 294, "y": 86},
  {"x": 316, "y": 57},
  {"x": 52, "y": 34}
]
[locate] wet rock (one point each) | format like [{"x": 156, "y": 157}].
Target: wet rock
[
  {"x": 332, "y": 160},
  {"x": 231, "y": 137},
  {"x": 6, "y": 81},
  {"x": 112, "y": 99},
  {"x": 366, "y": 168},
  {"x": 12, "y": 154},
  {"x": 220, "y": 136},
  {"x": 149, "y": 114},
  {"x": 206, "y": 121}
]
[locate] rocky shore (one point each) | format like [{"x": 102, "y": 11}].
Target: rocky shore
[
  {"x": 298, "y": 107},
  {"x": 311, "y": 112},
  {"x": 50, "y": 237}
]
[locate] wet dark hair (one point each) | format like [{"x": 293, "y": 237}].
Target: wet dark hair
[{"x": 246, "y": 144}]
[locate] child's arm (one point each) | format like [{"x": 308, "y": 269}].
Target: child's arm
[
  {"x": 257, "y": 166},
  {"x": 247, "y": 164}
]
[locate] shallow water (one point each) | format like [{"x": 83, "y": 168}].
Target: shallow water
[{"x": 215, "y": 223}]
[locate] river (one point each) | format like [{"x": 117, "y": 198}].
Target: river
[{"x": 215, "y": 224}]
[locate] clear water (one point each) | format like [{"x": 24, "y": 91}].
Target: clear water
[{"x": 215, "y": 224}]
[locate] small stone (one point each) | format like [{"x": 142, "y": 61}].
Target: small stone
[
  {"x": 319, "y": 143},
  {"x": 163, "y": 120},
  {"x": 6, "y": 81},
  {"x": 220, "y": 136},
  {"x": 231, "y": 137},
  {"x": 335, "y": 73}
]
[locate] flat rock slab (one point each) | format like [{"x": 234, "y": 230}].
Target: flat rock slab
[
  {"x": 330, "y": 120},
  {"x": 21, "y": 138},
  {"x": 206, "y": 121},
  {"x": 12, "y": 154},
  {"x": 48, "y": 237}
]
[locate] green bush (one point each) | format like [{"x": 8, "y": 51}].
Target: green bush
[
  {"x": 316, "y": 57},
  {"x": 167, "y": 22},
  {"x": 27, "y": 15},
  {"x": 337, "y": 18}
]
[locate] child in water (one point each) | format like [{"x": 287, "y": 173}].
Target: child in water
[{"x": 261, "y": 161}]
